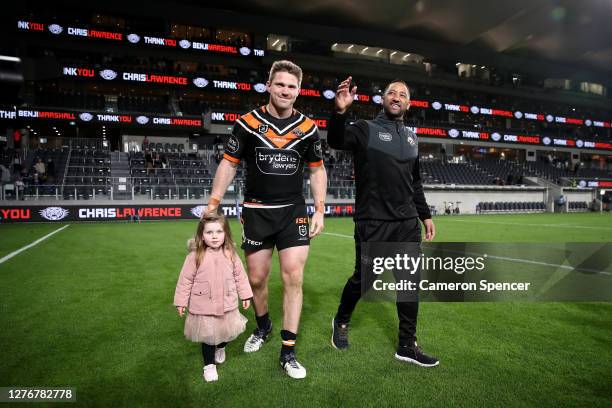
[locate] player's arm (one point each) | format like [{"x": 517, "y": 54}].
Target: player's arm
[
  {"x": 223, "y": 178},
  {"x": 226, "y": 171},
  {"x": 318, "y": 187},
  {"x": 339, "y": 136}
]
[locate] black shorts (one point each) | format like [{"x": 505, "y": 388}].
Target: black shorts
[{"x": 283, "y": 227}]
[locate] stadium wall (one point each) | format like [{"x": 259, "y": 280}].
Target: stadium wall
[
  {"x": 50, "y": 210},
  {"x": 468, "y": 197}
]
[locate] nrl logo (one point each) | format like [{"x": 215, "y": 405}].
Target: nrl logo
[
  {"x": 262, "y": 128},
  {"x": 303, "y": 230}
]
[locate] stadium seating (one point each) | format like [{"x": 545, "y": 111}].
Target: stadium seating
[
  {"x": 577, "y": 206},
  {"x": 510, "y": 206}
]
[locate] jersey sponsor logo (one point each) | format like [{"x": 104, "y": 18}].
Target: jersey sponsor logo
[
  {"x": 233, "y": 144},
  {"x": 385, "y": 137},
  {"x": 280, "y": 162},
  {"x": 262, "y": 129}
]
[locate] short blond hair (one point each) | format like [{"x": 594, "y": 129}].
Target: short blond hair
[{"x": 286, "y": 66}]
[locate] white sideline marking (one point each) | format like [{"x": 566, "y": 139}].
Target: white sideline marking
[
  {"x": 338, "y": 235},
  {"x": 532, "y": 225},
  {"x": 38, "y": 241},
  {"x": 504, "y": 258}
]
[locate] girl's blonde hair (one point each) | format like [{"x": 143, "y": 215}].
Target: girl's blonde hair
[{"x": 198, "y": 245}]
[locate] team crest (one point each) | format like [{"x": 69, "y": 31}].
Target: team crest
[
  {"x": 262, "y": 128},
  {"x": 298, "y": 133},
  {"x": 411, "y": 140}
]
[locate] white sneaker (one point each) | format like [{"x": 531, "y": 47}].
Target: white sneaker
[
  {"x": 210, "y": 373},
  {"x": 256, "y": 340},
  {"x": 220, "y": 355},
  {"x": 292, "y": 367}
]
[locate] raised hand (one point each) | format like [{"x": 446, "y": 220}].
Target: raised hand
[{"x": 345, "y": 95}]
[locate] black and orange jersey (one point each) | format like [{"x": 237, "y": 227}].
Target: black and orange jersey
[{"x": 275, "y": 151}]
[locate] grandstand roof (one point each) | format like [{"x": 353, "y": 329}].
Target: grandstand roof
[{"x": 573, "y": 32}]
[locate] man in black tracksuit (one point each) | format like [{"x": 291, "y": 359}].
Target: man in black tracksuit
[{"x": 390, "y": 200}]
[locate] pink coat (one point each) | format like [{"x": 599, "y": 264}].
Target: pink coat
[{"x": 214, "y": 287}]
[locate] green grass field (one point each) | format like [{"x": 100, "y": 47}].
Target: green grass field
[{"x": 91, "y": 308}]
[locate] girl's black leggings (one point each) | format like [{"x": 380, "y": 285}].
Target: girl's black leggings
[{"x": 208, "y": 352}]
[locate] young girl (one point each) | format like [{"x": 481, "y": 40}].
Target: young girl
[{"x": 209, "y": 285}]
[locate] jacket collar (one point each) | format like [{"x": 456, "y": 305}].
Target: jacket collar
[{"x": 383, "y": 117}]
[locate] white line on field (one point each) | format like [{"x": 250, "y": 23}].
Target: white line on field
[
  {"x": 38, "y": 241},
  {"x": 531, "y": 225},
  {"x": 338, "y": 235},
  {"x": 504, "y": 258}
]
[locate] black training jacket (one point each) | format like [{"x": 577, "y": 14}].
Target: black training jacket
[{"x": 387, "y": 174}]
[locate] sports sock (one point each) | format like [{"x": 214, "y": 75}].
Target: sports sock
[
  {"x": 263, "y": 322},
  {"x": 288, "y": 342}
]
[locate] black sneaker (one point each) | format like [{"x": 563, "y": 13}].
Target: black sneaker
[
  {"x": 257, "y": 339},
  {"x": 339, "y": 338},
  {"x": 292, "y": 367},
  {"x": 413, "y": 354}
]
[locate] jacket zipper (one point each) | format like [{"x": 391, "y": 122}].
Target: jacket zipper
[{"x": 401, "y": 141}]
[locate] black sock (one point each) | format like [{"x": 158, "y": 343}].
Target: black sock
[
  {"x": 264, "y": 322},
  {"x": 221, "y": 345},
  {"x": 208, "y": 352},
  {"x": 288, "y": 342}
]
